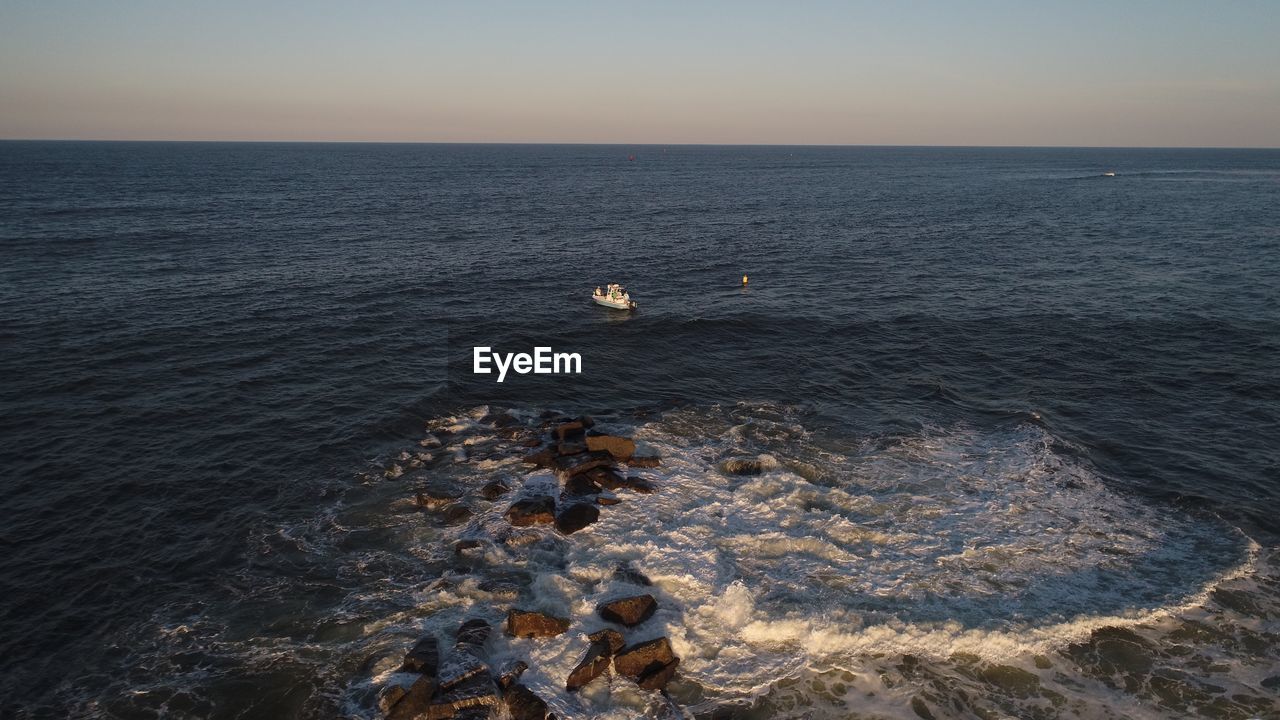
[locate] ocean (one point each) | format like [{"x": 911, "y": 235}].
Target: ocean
[{"x": 1017, "y": 423}]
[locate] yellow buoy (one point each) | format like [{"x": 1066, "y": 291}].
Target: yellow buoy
[{"x": 744, "y": 279}]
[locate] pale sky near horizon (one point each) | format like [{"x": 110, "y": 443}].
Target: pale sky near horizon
[{"x": 1171, "y": 73}]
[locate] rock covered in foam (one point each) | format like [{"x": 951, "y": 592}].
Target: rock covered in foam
[{"x": 745, "y": 466}]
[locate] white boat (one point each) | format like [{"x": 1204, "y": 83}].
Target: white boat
[
  {"x": 614, "y": 296},
  {"x": 1108, "y": 174}
]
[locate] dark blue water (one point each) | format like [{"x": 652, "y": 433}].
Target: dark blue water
[{"x": 205, "y": 343}]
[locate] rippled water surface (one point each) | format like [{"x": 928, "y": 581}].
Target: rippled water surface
[{"x": 1017, "y": 420}]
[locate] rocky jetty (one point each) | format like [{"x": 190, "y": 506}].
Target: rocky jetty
[{"x": 588, "y": 468}]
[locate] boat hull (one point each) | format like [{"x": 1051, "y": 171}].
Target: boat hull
[{"x": 613, "y": 304}]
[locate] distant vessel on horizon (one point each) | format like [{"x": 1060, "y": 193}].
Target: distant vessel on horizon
[{"x": 1108, "y": 173}]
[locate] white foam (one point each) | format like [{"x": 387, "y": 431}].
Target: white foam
[{"x": 990, "y": 544}]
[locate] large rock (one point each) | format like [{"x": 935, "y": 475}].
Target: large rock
[
  {"x": 577, "y": 516},
  {"x": 592, "y": 665},
  {"x": 650, "y": 664},
  {"x": 423, "y": 658},
  {"x": 532, "y": 511},
  {"x": 629, "y": 611},
  {"x": 619, "y": 447},
  {"x": 573, "y": 464},
  {"x": 523, "y": 704},
  {"x": 529, "y": 624}
]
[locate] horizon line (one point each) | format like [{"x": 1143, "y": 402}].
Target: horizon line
[{"x": 641, "y": 144}]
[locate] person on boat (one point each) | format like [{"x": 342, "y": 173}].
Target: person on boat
[{"x": 599, "y": 291}]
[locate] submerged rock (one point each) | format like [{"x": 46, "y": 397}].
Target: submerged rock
[
  {"x": 629, "y": 611},
  {"x": 436, "y": 495},
  {"x": 532, "y": 511},
  {"x": 494, "y": 489},
  {"x": 650, "y": 664},
  {"x": 619, "y": 447},
  {"x": 523, "y": 704},
  {"x": 639, "y": 484},
  {"x": 456, "y": 513},
  {"x": 644, "y": 461},
  {"x": 576, "y": 517},
  {"x": 744, "y": 466},
  {"x": 529, "y": 624},
  {"x": 627, "y": 573}
]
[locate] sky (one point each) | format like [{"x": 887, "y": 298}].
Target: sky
[{"x": 1084, "y": 73}]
